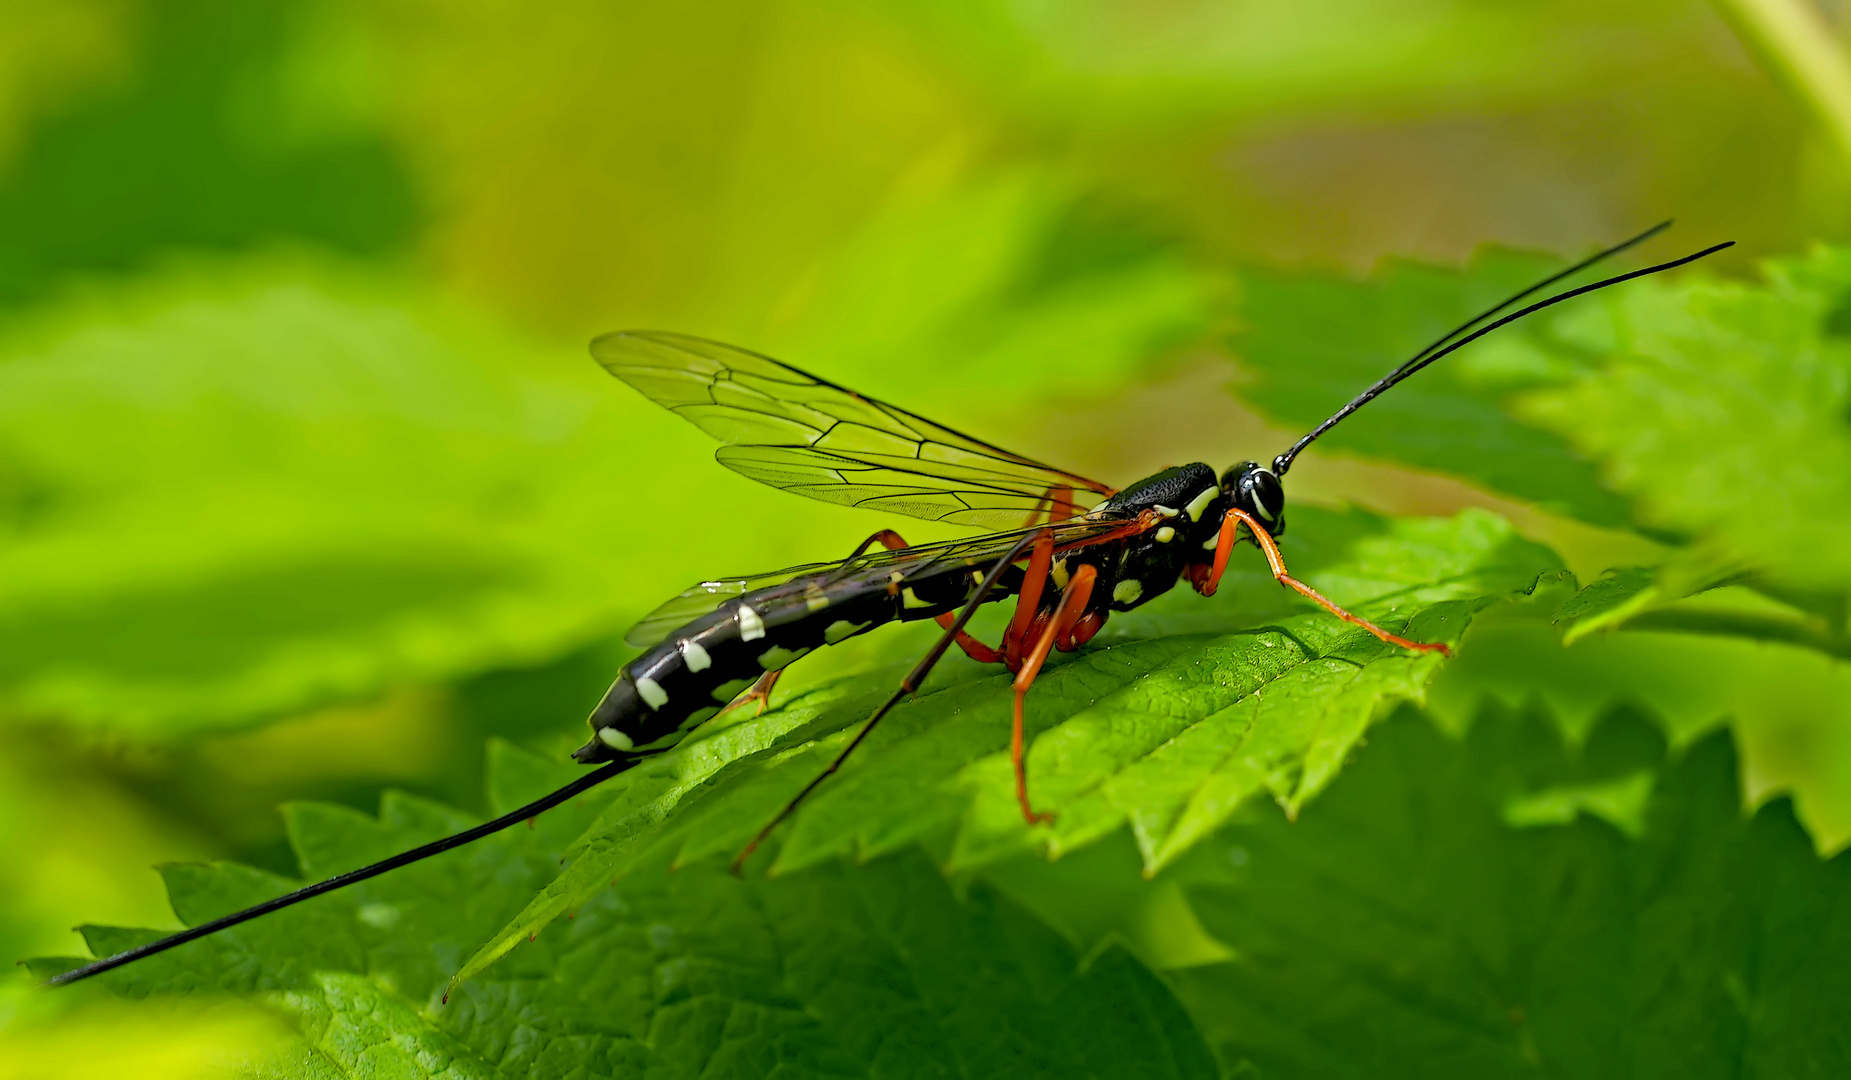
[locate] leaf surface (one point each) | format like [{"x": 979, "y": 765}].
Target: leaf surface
[
  {"x": 1722, "y": 409},
  {"x": 877, "y": 970},
  {"x": 1422, "y": 916}
]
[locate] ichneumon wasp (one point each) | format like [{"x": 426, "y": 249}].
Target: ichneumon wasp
[{"x": 1070, "y": 551}]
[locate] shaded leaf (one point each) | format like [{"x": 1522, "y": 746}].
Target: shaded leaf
[
  {"x": 1405, "y": 922},
  {"x": 878, "y": 970},
  {"x": 1788, "y": 705}
]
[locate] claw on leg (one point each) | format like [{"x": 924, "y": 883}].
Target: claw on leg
[{"x": 760, "y": 692}]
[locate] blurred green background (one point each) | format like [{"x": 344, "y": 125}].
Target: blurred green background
[{"x": 308, "y": 486}]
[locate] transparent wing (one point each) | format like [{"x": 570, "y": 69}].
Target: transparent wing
[
  {"x": 792, "y": 430},
  {"x": 980, "y": 552}
]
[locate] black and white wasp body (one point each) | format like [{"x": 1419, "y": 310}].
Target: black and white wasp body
[
  {"x": 840, "y": 446},
  {"x": 1068, "y": 550}
]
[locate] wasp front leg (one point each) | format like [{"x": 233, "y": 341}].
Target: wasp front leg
[{"x": 1207, "y": 579}]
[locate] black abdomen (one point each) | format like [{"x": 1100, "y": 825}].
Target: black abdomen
[{"x": 662, "y": 695}]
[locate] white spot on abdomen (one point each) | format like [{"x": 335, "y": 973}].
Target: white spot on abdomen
[
  {"x": 751, "y": 627},
  {"x": 652, "y": 691},
  {"x": 695, "y": 656},
  {"x": 814, "y": 598},
  {"x": 1165, "y": 535},
  {"x": 1128, "y": 590},
  {"x": 909, "y": 598},
  {"x": 615, "y": 739}
]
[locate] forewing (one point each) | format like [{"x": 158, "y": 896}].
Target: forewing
[
  {"x": 978, "y": 552},
  {"x": 791, "y": 430}
]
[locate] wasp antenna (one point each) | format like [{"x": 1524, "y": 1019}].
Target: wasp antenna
[
  {"x": 1598, "y": 257},
  {"x": 340, "y": 881},
  {"x": 1452, "y": 341}
]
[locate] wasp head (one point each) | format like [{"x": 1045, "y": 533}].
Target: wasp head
[{"x": 1255, "y": 489}]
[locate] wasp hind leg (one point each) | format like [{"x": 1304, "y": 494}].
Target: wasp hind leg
[{"x": 1060, "y": 628}]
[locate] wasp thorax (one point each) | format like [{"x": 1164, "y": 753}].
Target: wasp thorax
[{"x": 1256, "y": 490}]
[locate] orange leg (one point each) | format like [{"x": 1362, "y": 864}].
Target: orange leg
[
  {"x": 886, "y": 538},
  {"x": 1072, "y": 604},
  {"x": 1028, "y": 601},
  {"x": 973, "y": 648},
  {"x": 1230, "y": 529},
  {"x": 760, "y": 692}
]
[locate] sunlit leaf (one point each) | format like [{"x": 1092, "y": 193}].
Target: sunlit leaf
[
  {"x": 255, "y": 488},
  {"x": 90, "y": 1037},
  {"x": 1722, "y": 409}
]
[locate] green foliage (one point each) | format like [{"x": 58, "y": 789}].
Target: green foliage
[
  {"x": 836, "y": 972},
  {"x": 1721, "y": 408},
  {"x": 228, "y": 495},
  {"x": 1423, "y": 914},
  {"x": 214, "y": 142},
  {"x": 295, "y": 413}
]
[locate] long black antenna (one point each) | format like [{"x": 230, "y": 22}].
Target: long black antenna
[
  {"x": 1434, "y": 351},
  {"x": 1597, "y": 257},
  {"x": 513, "y": 817}
]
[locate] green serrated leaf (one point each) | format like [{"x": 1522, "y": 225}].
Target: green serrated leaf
[
  {"x": 1721, "y": 408},
  {"x": 1618, "y": 595},
  {"x": 1786, "y": 703},
  {"x": 1404, "y": 921},
  {"x": 874, "y": 970}
]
